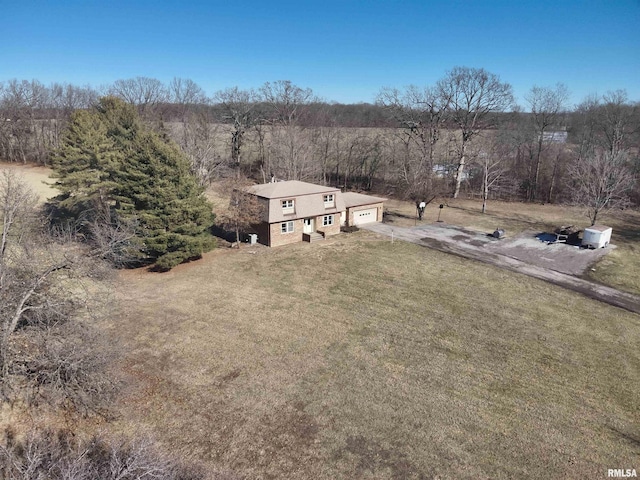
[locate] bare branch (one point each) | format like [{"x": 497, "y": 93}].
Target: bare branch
[{"x": 601, "y": 182}]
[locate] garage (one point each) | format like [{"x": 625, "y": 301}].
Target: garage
[
  {"x": 361, "y": 209},
  {"x": 361, "y": 217}
]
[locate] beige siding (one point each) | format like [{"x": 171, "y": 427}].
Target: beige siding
[{"x": 304, "y": 206}]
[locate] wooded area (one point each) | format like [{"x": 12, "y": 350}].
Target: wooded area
[{"x": 463, "y": 135}]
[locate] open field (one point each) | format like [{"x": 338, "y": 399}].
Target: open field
[
  {"x": 359, "y": 358},
  {"x": 37, "y": 177}
]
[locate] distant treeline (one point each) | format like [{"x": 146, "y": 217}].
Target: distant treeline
[{"x": 463, "y": 134}]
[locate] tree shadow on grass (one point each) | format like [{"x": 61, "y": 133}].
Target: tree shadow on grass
[
  {"x": 630, "y": 232},
  {"x": 628, "y": 235},
  {"x": 629, "y": 436},
  {"x": 501, "y": 218},
  {"x": 227, "y": 238},
  {"x": 226, "y": 235},
  {"x": 551, "y": 238}
]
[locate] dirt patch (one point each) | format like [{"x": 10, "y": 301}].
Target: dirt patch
[
  {"x": 447, "y": 232},
  {"x": 476, "y": 243},
  {"x": 460, "y": 238},
  {"x": 38, "y": 178}
]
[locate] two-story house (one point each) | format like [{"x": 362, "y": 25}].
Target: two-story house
[{"x": 295, "y": 211}]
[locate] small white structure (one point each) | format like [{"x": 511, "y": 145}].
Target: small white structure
[{"x": 597, "y": 236}]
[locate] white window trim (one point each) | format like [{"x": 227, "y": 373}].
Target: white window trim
[
  {"x": 327, "y": 220},
  {"x": 287, "y": 227},
  {"x": 329, "y": 203},
  {"x": 286, "y": 208}
]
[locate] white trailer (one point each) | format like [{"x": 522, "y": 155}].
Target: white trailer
[{"x": 597, "y": 236}]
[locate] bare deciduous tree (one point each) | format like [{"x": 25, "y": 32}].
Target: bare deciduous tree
[
  {"x": 286, "y": 100},
  {"x": 244, "y": 209},
  {"x": 44, "y": 351},
  {"x": 61, "y": 455},
  {"x": 619, "y": 121},
  {"x": 290, "y": 147},
  {"x": 471, "y": 95},
  {"x": 421, "y": 113},
  {"x": 185, "y": 92},
  {"x": 33, "y": 116},
  {"x": 600, "y": 182},
  {"x": 188, "y": 96},
  {"x": 143, "y": 92},
  {"x": 199, "y": 144},
  {"x": 17, "y": 204},
  {"x": 491, "y": 158},
  {"x": 547, "y": 105},
  {"x": 610, "y": 122},
  {"x": 111, "y": 238},
  {"x": 239, "y": 108},
  {"x": 371, "y": 160},
  {"x": 23, "y": 135},
  {"x": 324, "y": 139}
]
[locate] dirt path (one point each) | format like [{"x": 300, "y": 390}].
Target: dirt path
[{"x": 446, "y": 240}]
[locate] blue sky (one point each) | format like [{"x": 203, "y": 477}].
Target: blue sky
[{"x": 346, "y": 51}]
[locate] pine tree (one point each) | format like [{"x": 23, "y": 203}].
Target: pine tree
[
  {"x": 83, "y": 162},
  {"x": 109, "y": 158}
]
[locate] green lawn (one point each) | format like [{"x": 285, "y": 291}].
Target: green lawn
[{"x": 358, "y": 358}]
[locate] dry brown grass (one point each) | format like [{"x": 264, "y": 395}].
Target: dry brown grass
[
  {"x": 37, "y": 177},
  {"x": 359, "y": 358},
  {"x": 515, "y": 217}
]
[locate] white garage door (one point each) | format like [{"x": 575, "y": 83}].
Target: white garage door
[{"x": 365, "y": 216}]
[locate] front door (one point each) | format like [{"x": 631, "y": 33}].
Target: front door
[{"x": 308, "y": 225}]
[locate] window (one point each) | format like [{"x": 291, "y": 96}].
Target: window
[
  {"x": 329, "y": 200},
  {"x": 286, "y": 227},
  {"x": 327, "y": 220},
  {"x": 287, "y": 206}
]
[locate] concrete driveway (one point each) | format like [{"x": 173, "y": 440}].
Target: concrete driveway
[{"x": 480, "y": 247}]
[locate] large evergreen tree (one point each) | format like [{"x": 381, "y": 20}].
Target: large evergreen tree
[{"x": 109, "y": 160}]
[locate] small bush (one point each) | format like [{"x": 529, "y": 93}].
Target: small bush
[
  {"x": 65, "y": 365},
  {"x": 58, "y": 455}
]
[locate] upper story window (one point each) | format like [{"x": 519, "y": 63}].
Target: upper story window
[
  {"x": 288, "y": 206},
  {"x": 329, "y": 200}
]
